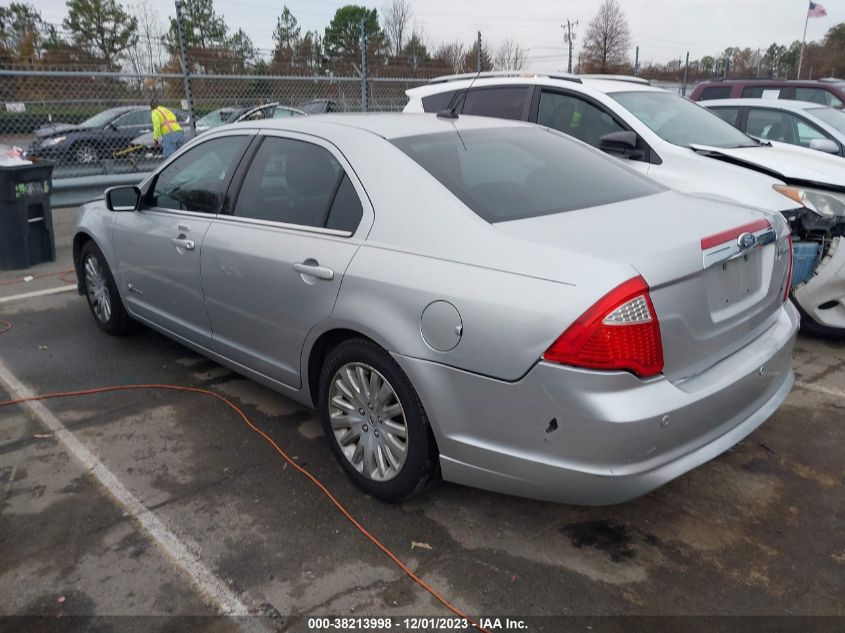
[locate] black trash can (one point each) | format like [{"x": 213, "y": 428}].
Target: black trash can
[{"x": 26, "y": 217}]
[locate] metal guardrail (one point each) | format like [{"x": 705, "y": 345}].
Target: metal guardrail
[{"x": 71, "y": 192}]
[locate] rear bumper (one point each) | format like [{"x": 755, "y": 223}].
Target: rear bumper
[{"x": 614, "y": 436}]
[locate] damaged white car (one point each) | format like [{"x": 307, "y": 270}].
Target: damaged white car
[{"x": 683, "y": 146}]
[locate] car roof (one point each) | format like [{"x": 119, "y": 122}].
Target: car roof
[
  {"x": 388, "y": 126},
  {"x": 602, "y": 83},
  {"x": 777, "y": 104},
  {"x": 772, "y": 82}
]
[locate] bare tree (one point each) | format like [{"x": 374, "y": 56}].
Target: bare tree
[
  {"x": 608, "y": 38},
  {"x": 397, "y": 17},
  {"x": 451, "y": 55},
  {"x": 147, "y": 55},
  {"x": 510, "y": 56}
]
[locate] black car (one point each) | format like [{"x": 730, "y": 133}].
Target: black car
[{"x": 96, "y": 138}]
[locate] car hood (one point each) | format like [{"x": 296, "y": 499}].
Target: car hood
[
  {"x": 55, "y": 128},
  {"x": 789, "y": 163}
]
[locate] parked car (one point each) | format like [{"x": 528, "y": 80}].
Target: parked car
[
  {"x": 795, "y": 122},
  {"x": 216, "y": 119},
  {"x": 471, "y": 324},
  {"x": 822, "y": 92},
  {"x": 95, "y": 138},
  {"x": 686, "y": 147}
]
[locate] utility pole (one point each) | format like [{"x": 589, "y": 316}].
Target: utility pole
[
  {"x": 686, "y": 70},
  {"x": 478, "y": 54},
  {"x": 637, "y": 62},
  {"x": 186, "y": 70},
  {"x": 569, "y": 38},
  {"x": 363, "y": 27}
]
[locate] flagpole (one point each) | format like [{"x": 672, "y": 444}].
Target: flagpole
[{"x": 803, "y": 40}]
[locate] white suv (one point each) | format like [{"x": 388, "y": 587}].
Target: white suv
[{"x": 683, "y": 146}]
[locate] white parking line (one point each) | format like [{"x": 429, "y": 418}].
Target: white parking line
[
  {"x": 828, "y": 391},
  {"x": 37, "y": 293},
  {"x": 183, "y": 556}
]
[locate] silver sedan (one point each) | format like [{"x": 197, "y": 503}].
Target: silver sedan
[{"x": 483, "y": 299}]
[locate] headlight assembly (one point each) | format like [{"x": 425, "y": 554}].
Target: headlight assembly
[
  {"x": 53, "y": 141},
  {"x": 827, "y": 203}
]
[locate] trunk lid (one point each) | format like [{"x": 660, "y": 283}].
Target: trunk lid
[{"x": 711, "y": 296}]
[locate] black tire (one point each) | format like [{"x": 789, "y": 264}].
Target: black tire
[
  {"x": 421, "y": 452},
  {"x": 114, "y": 321}
]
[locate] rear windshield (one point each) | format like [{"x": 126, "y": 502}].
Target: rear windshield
[{"x": 513, "y": 173}]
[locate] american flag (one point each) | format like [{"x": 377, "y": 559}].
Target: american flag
[{"x": 816, "y": 10}]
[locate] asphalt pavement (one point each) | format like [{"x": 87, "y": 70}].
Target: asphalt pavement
[{"x": 139, "y": 508}]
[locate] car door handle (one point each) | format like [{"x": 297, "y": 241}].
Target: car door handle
[
  {"x": 314, "y": 269},
  {"x": 181, "y": 242}
]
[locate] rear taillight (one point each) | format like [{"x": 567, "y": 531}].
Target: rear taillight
[
  {"x": 620, "y": 331},
  {"x": 789, "y": 270}
]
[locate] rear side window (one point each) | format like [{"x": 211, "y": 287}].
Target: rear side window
[
  {"x": 727, "y": 114},
  {"x": 716, "y": 92},
  {"x": 504, "y": 102},
  {"x": 755, "y": 92},
  {"x": 513, "y": 173},
  {"x": 817, "y": 95},
  {"x": 295, "y": 182},
  {"x": 438, "y": 102}
]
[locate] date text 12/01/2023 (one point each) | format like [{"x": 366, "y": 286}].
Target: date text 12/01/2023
[{"x": 413, "y": 624}]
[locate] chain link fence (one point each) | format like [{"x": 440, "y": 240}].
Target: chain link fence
[{"x": 92, "y": 123}]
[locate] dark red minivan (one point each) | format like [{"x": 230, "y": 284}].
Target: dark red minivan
[{"x": 829, "y": 92}]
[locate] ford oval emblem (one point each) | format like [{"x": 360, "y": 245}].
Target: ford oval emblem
[{"x": 746, "y": 241}]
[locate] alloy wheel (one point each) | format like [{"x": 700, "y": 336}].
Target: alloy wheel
[
  {"x": 368, "y": 421},
  {"x": 97, "y": 288}
]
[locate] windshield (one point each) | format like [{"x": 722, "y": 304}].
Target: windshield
[
  {"x": 680, "y": 121},
  {"x": 833, "y": 117},
  {"x": 213, "y": 119},
  {"x": 513, "y": 173},
  {"x": 100, "y": 119}
]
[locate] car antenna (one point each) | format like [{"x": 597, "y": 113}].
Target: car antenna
[{"x": 452, "y": 113}]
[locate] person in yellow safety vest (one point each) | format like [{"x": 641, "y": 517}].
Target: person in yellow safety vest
[{"x": 166, "y": 129}]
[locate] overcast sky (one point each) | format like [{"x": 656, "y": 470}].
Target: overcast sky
[{"x": 663, "y": 29}]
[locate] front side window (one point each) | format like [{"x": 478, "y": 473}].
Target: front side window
[
  {"x": 196, "y": 180},
  {"x": 771, "y": 125},
  {"x": 576, "y": 117},
  {"x": 680, "y": 121},
  {"x": 513, "y": 173},
  {"x": 503, "y": 102},
  {"x": 295, "y": 182}
]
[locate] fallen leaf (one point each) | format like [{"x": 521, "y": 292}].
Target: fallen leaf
[
  {"x": 43, "y": 347},
  {"x": 61, "y": 598},
  {"x": 417, "y": 544}
]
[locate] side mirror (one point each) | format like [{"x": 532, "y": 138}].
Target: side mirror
[
  {"x": 123, "y": 198},
  {"x": 825, "y": 145},
  {"x": 621, "y": 143}
]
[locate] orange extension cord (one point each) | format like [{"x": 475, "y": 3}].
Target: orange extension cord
[{"x": 374, "y": 540}]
